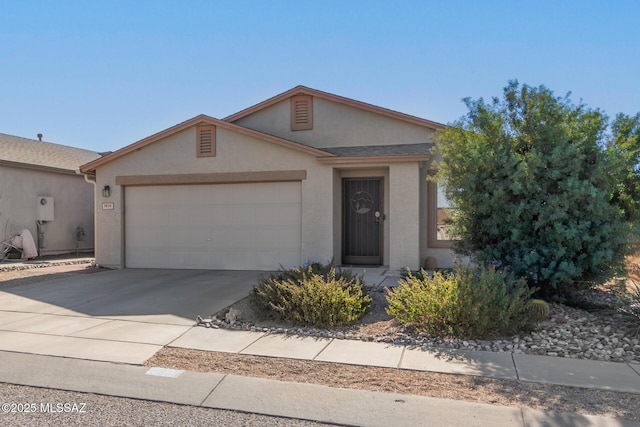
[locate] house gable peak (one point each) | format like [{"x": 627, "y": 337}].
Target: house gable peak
[{"x": 304, "y": 90}]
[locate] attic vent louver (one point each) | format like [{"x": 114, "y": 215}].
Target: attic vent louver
[
  {"x": 206, "y": 141},
  {"x": 301, "y": 112}
]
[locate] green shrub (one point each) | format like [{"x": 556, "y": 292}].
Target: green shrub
[
  {"x": 535, "y": 189},
  {"x": 317, "y": 295},
  {"x": 422, "y": 274},
  {"x": 470, "y": 302}
]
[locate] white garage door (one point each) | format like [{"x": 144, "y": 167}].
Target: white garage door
[{"x": 253, "y": 226}]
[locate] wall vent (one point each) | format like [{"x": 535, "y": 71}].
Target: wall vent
[
  {"x": 206, "y": 141},
  {"x": 301, "y": 112}
]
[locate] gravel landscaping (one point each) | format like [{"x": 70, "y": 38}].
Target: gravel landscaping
[{"x": 575, "y": 333}]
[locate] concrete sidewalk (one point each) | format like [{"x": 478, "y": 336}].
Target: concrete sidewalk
[
  {"x": 269, "y": 397},
  {"x": 552, "y": 370}
]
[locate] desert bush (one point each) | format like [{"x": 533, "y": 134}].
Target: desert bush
[
  {"x": 422, "y": 274},
  {"x": 536, "y": 191},
  {"x": 469, "y": 302},
  {"x": 317, "y": 295},
  {"x": 629, "y": 300}
]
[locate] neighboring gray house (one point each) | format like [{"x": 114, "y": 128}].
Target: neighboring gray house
[
  {"x": 304, "y": 176},
  {"x": 42, "y": 191}
]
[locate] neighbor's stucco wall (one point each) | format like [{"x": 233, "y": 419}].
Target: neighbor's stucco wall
[
  {"x": 73, "y": 207},
  {"x": 337, "y": 125},
  {"x": 176, "y": 154}
]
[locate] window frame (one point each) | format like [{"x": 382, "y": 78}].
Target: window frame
[{"x": 432, "y": 217}]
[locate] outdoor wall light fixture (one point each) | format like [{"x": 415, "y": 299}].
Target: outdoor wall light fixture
[{"x": 106, "y": 191}]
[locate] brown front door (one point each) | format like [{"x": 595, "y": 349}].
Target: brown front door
[{"x": 362, "y": 221}]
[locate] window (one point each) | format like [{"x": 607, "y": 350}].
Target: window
[
  {"x": 206, "y": 141},
  {"x": 301, "y": 112},
  {"x": 439, "y": 211}
]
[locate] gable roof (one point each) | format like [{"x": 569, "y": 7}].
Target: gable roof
[
  {"x": 31, "y": 153},
  {"x": 303, "y": 90},
  {"x": 202, "y": 119}
]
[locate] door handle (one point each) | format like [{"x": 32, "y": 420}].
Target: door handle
[{"x": 379, "y": 217}]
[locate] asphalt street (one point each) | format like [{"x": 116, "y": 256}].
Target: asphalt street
[{"x": 48, "y": 407}]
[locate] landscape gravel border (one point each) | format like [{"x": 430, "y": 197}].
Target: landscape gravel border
[
  {"x": 603, "y": 335},
  {"x": 28, "y": 265}
]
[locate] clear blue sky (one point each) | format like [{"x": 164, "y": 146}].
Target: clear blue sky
[{"x": 103, "y": 74}]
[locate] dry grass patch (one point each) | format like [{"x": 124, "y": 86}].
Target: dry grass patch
[{"x": 447, "y": 386}]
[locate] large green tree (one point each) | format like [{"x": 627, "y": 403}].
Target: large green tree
[
  {"x": 528, "y": 175},
  {"x": 624, "y": 153}
]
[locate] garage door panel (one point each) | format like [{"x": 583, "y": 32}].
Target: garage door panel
[
  {"x": 223, "y": 215},
  {"x": 244, "y": 214},
  {"x": 191, "y": 258},
  {"x": 153, "y": 196},
  {"x": 148, "y": 258},
  {"x": 226, "y": 226},
  {"x": 140, "y": 236},
  {"x": 265, "y": 238},
  {"x": 288, "y": 215},
  {"x": 288, "y": 240},
  {"x": 288, "y": 197},
  {"x": 289, "y": 258}
]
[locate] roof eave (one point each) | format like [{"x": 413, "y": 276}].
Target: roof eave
[
  {"x": 38, "y": 167},
  {"x": 358, "y": 160}
]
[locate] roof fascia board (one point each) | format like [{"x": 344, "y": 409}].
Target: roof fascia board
[
  {"x": 303, "y": 90},
  {"x": 374, "y": 159}
]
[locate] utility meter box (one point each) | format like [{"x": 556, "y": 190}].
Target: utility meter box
[{"x": 44, "y": 208}]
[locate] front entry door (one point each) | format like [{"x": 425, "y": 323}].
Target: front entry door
[{"x": 362, "y": 221}]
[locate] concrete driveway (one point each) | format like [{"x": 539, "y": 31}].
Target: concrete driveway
[{"x": 120, "y": 316}]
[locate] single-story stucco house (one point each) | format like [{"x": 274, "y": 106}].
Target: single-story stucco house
[
  {"x": 302, "y": 177},
  {"x": 41, "y": 190}
]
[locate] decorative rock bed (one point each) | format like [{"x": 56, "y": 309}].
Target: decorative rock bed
[
  {"x": 574, "y": 333},
  {"x": 19, "y": 265}
]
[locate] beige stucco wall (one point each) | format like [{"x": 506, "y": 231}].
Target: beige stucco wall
[
  {"x": 404, "y": 214},
  {"x": 337, "y": 125},
  {"x": 235, "y": 152},
  {"x": 73, "y": 207}
]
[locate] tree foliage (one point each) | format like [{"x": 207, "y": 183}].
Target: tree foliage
[
  {"x": 624, "y": 152},
  {"x": 528, "y": 176}
]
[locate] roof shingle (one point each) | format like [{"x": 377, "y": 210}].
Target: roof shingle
[
  {"x": 33, "y": 152},
  {"x": 381, "y": 150}
]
